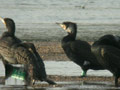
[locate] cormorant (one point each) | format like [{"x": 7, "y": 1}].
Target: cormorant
[
  {"x": 77, "y": 50},
  {"x": 14, "y": 51},
  {"x": 107, "y": 51}
]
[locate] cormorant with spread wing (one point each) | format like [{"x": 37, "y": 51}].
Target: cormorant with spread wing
[{"x": 14, "y": 51}]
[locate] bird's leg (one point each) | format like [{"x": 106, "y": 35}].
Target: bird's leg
[
  {"x": 28, "y": 77},
  {"x": 85, "y": 68},
  {"x": 83, "y": 74},
  {"x": 8, "y": 71},
  {"x": 116, "y": 81},
  {"x": 33, "y": 82}
]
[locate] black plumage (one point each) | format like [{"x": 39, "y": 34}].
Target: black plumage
[
  {"x": 107, "y": 52},
  {"x": 14, "y": 51},
  {"x": 78, "y": 51}
]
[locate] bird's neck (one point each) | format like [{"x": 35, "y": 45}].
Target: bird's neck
[
  {"x": 8, "y": 33},
  {"x": 69, "y": 37},
  {"x": 11, "y": 30}
]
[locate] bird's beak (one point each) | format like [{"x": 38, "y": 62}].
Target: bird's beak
[
  {"x": 2, "y": 20},
  {"x": 62, "y": 25}
]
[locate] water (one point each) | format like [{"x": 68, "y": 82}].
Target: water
[
  {"x": 64, "y": 68},
  {"x": 35, "y": 20},
  {"x": 68, "y": 68}
]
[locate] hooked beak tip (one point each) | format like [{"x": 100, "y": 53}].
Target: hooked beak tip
[{"x": 2, "y": 20}]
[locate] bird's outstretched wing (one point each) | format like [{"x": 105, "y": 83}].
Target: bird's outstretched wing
[
  {"x": 31, "y": 57},
  {"x": 39, "y": 62},
  {"x": 22, "y": 55}
]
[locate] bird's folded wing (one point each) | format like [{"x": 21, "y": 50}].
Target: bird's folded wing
[{"x": 111, "y": 55}]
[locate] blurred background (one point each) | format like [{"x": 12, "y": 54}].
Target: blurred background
[{"x": 35, "y": 19}]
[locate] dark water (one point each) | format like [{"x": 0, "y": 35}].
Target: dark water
[{"x": 35, "y": 19}]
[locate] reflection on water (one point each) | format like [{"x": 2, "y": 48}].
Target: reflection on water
[
  {"x": 67, "y": 86},
  {"x": 68, "y": 68},
  {"x": 64, "y": 68}
]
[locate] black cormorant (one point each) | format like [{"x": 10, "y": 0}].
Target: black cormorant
[
  {"x": 107, "y": 51},
  {"x": 77, "y": 50},
  {"x": 14, "y": 51}
]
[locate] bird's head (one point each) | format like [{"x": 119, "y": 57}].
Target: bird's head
[
  {"x": 69, "y": 27},
  {"x": 9, "y": 23}
]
